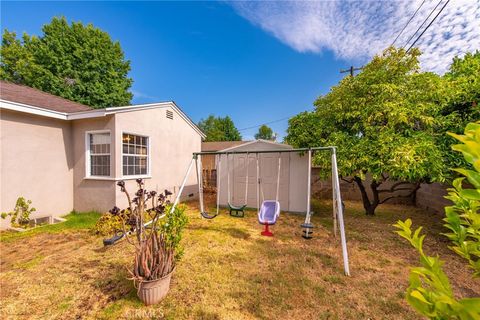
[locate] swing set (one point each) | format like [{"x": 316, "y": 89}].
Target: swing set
[{"x": 269, "y": 210}]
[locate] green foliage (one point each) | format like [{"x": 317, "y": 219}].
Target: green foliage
[
  {"x": 219, "y": 129},
  {"x": 172, "y": 227},
  {"x": 462, "y": 85},
  {"x": 20, "y": 216},
  {"x": 390, "y": 121},
  {"x": 265, "y": 133},
  {"x": 107, "y": 225},
  {"x": 78, "y": 62},
  {"x": 463, "y": 217},
  {"x": 382, "y": 121},
  {"x": 430, "y": 292}
]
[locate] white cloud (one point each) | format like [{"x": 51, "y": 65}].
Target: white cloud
[
  {"x": 138, "y": 95},
  {"x": 357, "y": 30}
]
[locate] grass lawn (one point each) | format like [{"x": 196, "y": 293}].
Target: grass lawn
[{"x": 228, "y": 271}]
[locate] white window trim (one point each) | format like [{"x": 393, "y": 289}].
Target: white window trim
[
  {"x": 149, "y": 157},
  {"x": 88, "y": 174}
]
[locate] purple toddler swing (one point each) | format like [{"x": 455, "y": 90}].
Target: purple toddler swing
[{"x": 269, "y": 212}]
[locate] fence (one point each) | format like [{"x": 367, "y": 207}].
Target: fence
[{"x": 209, "y": 178}]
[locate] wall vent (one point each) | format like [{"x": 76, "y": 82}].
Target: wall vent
[{"x": 170, "y": 114}]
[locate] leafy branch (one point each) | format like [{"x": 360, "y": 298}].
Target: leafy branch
[{"x": 430, "y": 292}]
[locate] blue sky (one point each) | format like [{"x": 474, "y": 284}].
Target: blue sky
[{"x": 254, "y": 61}]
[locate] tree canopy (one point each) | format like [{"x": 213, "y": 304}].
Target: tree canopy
[
  {"x": 389, "y": 122},
  {"x": 265, "y": 133},
  {"x": 78, "y": 62},
  {"x": 219, "y": 129}
]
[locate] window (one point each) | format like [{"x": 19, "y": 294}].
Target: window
[
  {"x": 99, "y": 154},
  {"x": 135, "y": 155}
]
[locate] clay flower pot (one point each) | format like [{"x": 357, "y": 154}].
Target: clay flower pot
[{"x": 153, "y": 291}]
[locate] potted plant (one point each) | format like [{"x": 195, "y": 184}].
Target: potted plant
[{"x": 157, "y": 244}]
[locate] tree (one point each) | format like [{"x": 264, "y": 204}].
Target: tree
[
  {"x": 219, "y": 129},
  {"x": 265, "y": 133},
  {"x": 77, "y": 62},
  {"x": 384, "y": 123},
  {"x": 462, "y": 100}
]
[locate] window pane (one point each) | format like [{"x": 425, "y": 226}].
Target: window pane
[
  {"x": 99, "y": 154},
  {"x": 135, "y": 155}
]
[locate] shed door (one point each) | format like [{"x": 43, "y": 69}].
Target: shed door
[
  {"x": 239, "y": 174},
  {"x": 268, "y": 178}
]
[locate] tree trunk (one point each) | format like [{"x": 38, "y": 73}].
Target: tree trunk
[{"x": 369, "y": 205}]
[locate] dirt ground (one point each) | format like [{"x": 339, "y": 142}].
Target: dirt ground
[{"x": 229, "y": 271}]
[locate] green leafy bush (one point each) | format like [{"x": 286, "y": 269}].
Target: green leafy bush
[
  {"x": 429, "y": 291},
  {"x": 20, "y": 216},
  {"x": 172, "y": 228},
  {"x": 463, "y": 217},
  {"x": 107, "y": 225}
]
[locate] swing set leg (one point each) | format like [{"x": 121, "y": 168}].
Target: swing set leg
[{"x": 266, "y": 232}]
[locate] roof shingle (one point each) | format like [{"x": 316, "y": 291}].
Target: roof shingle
[{"x": 34, "y": 97}]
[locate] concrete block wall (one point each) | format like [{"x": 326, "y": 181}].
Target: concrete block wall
[
  {"x": 322, "y": 189},
  {"x": 430, "y": 197}
]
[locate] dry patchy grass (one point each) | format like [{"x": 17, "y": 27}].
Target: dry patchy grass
[{"x": 229, "y": 271}]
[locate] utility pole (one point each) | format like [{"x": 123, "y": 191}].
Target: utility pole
[{"x": 352, "y": 69}]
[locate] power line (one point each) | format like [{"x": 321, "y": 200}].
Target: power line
[
  {"x": 259, "y": 125},
  {"x": 408, "y": 22},
  {"x": 270, "y": 122},
  {"x": 428, "y": 25},
  {"x": 420, "y": 27}
]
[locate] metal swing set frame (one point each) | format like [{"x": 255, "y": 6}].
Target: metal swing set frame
[{"x": 307, "y": 225}]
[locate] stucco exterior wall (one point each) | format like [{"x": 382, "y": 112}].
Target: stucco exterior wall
[
  {"x": 44, "y": 159},
  {"x": 92, "y": 193},
  {"x": 172, "y": 143},
  {"x": 36, "y": 163}
]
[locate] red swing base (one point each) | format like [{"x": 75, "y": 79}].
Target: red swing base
[{"x": 266, "y": 232}]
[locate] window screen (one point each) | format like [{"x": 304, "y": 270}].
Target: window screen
[
  {"x": 99, "y": 148},
  {"x": 135, "y": 155}
]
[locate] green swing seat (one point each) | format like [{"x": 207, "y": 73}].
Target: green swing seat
[{"x": 237, "y": 211}]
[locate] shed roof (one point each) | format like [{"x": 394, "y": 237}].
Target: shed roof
[
  {"x": 220, "y": 145},
  {"x": 258, "y": 145},
  {"x": 34, "y": 97}
]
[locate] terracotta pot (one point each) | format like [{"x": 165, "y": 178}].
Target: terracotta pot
[{"x": 153, "y": 291}]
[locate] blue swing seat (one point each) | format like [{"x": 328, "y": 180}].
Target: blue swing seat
[{"x": 269, "y": 212}]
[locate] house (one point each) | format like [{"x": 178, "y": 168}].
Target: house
[
  {"x": 66, "y": 156},
  {"x": 293, "y": 189}
]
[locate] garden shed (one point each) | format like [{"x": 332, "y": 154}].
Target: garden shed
[{"x": 232, "y": 170}]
